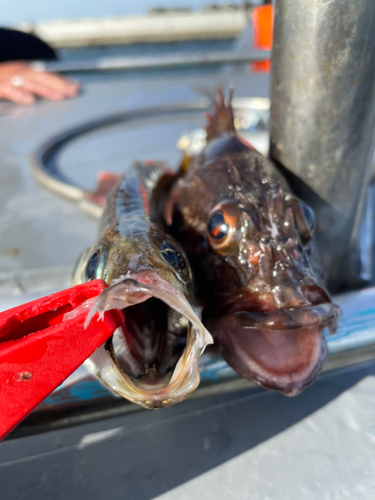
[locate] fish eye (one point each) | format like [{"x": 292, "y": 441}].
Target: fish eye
[
  {"x": 305, "y": 222},
  {"x": 217, "y": 227},
  {"x": 304, "y": 218},
  {"x": 176, "y": 260},
  {"x": 91, "y": 266},
  {"x": 223, "y": 226},
  {"x": 309, "y": 217}
]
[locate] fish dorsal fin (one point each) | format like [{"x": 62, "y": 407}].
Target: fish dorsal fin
[
  {"x": 221, "y": 121},
  {"x": 131, "y": 196}
]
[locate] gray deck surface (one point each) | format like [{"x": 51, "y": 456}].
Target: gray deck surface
[{"x": 320, "y": 445}]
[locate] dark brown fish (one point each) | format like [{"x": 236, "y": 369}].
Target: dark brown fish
[{"x": 249, "y": 241}]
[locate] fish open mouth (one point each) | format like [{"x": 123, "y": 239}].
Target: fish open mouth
[
  {"x": 153, "y": 359},
  {"x": 282, "y": 349}
]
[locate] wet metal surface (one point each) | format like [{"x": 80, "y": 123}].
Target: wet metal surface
[
  {"x": 236, "y": 446},
  {"x": 323, "y": 120}
]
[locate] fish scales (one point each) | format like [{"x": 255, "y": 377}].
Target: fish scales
[
  {"x": 153, "y": 358},
  {"x": 250, "y": 244}
]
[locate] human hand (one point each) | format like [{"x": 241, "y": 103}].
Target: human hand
[{"x": 20, "y": 83}]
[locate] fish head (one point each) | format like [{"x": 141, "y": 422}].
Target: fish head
[
  {"x": 269, "y": 245},
  {"x": 153, "y": 358},
  {"x": 121, "y": 252},
  {"x": 267, "y": 304}
]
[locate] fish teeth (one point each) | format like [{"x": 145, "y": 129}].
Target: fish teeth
[{"x": 124, "y": 356}]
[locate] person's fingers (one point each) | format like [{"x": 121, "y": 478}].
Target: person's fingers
[
  {"x": 18, "y": 81},
  {"x": 16, "y": 95},
  {"x": 65, "y": 87},
  {"x": 42, "y": 91}
]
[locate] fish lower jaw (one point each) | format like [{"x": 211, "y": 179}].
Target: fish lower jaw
[
  {"x": 170, "y": 389},
  {"x": 286, "y": 361},
  {"x": 294, "y": 382},
  {"x": 137, "y": 337}
]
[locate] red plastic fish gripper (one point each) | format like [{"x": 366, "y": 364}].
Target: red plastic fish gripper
[{"x": 39, "y": 349}]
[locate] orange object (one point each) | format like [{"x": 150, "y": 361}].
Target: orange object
[
  {"x": 105, "y": 183},
  {"x": 263, "y": 33}
]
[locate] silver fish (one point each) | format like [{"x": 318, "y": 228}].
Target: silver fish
[{"x": 153, "y": 358}]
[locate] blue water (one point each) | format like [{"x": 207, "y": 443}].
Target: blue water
[
  {"x": 191, "y": 47},
  {"x": 13, "y": 13},
  {"x": 148, "y": 49}
]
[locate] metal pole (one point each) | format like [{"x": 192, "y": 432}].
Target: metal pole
[{"x": 323, "y": 119}]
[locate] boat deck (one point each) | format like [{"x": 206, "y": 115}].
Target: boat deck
[{"x": 243, "y": 445}]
